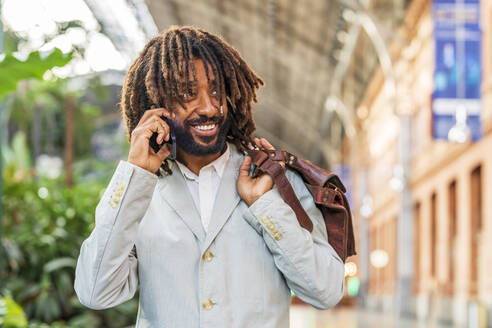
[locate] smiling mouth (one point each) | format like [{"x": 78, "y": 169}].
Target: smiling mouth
[{"x": 209, "y": 129}]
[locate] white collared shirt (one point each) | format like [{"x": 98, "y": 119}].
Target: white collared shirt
[{"x": 204, "y": 187}]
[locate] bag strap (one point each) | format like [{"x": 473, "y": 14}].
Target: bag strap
[
  {"x": 326, "y": 189},
  {"x": 351, "y": 240},
  {"x": 268, "y": 165}
]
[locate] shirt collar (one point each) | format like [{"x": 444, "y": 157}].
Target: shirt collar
[{"x": 218, "y": 164}]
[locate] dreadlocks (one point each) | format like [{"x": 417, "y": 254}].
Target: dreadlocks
[{"x": 161, "y": 73}]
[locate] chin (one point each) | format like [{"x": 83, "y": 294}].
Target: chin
[
  {"x": 200, "y": 147},
  {"x": 205, "y": 141},
  {"x": 202, "y": 144}
]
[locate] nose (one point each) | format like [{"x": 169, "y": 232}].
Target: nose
[{"x": 206, "y": 106}]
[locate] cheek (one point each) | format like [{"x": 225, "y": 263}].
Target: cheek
[
  {"x": 180, "y": 112},
  {"x": 177, "y": 121}
]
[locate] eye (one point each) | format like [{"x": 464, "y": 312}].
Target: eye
[
  {"x": 187, "y": 95},
  {"x": 214, "y": 92}
]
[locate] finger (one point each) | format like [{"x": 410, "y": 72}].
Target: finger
[
  {"x": 156, "y": 111},
  {"x": 155, "y": 126},
  {"x": 167, "y": 130},
  {"x": 266, "y": 144},
  {"x": 160, "y": 112},
  {"x": 257, "y": 142},
  {"x": 245, "y": 166},
  {"x": 158, "y": 125},
  {"x": 165, "y": 112},
  {"x": 163, "y": 135}
]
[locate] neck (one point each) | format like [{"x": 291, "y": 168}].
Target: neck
[{"x": 195, "y": 163}]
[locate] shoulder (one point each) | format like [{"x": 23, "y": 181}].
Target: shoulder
[
  {"x": 293, "y": 176},
  {"x": 297, "y": 183}
]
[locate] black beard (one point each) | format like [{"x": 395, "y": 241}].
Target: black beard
[{"x": 185, "y": 140}]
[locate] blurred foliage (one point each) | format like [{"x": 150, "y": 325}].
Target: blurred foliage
[
  {"x": 13, "y": 70},
  {"x": 43, "y": 103},
  {"x": 16, "y": 159},
  {"x": 44, "y": 222},
  {"x": 11, "y": 40},
  {"x": 44, "y": 226},
  {"x": 11, "y": 314}
]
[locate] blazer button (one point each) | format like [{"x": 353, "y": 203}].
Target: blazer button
[
  {"x": 207, "y": 304},
  {"x": 114, "y": 202},
  {"x": 207, "y": 256}
]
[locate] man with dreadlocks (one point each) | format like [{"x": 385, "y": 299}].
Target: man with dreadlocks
[{"x": 209, "y": 245}]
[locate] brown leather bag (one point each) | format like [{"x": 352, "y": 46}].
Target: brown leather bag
[{"x": 325, "y": 186}]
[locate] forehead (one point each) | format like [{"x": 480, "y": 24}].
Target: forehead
[{"x": 201, "y": 74}]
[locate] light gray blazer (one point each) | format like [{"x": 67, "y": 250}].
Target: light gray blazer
[{"x": 148, "y": 233}]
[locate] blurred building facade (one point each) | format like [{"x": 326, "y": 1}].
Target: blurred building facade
[{"x": 450, "y": 186}]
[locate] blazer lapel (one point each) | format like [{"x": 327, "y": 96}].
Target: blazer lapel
[
  {"x": 226, "y": 199},
  {"x": 175, "y": 192}
]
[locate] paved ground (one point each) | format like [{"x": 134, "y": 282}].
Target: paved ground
[{"x": 308, "y": 317}]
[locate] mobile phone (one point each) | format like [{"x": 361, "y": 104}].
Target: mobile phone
[{"x": 172, "y": 140}]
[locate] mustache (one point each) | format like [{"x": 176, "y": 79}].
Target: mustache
[{"x": 202, "y": 119}]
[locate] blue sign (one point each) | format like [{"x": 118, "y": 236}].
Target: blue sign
[{"x": 457, "y": 76}]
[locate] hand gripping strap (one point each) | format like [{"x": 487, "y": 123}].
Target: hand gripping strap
[{"x": 276, "y": 171}]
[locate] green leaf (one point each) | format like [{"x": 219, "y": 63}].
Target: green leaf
[
  {"x": 59, "y": 263},
  {"x": 87, "y": 319},
  {"x": 13, "y": 70},
  {"x": 21, "y": 150},
  {"x": 47, "y": 308},
  {"x": 11, "y": 314}
]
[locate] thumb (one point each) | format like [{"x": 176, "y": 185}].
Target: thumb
[{"x": 245, "y": 166}]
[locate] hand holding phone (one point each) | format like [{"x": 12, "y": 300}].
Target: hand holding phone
[
  {"x": 142, "y": 150},
  {"x": 171, "y": 141}
]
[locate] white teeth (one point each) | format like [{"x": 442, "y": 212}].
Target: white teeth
[{"x": 205, "y": 127}]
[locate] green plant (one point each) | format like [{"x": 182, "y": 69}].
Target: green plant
[
  {"x": 11, "y": 314},
  {"x": 44, "y": 226},
  {"x": 44, "y": 222},
  {"x": 13, "y": 70},
  {"x": 41, "y": 106}
]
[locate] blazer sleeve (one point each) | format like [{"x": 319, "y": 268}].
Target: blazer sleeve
[
  {"x": 311, "y": 267},
  {"x": 106, "y": 273}
]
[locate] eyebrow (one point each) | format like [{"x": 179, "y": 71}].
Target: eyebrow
[{"x": 191, "y": 83}]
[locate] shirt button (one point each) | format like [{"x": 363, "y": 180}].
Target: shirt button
[
  {"x": 208, "y": 256},
  {"x": 207, "y": 304}
]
